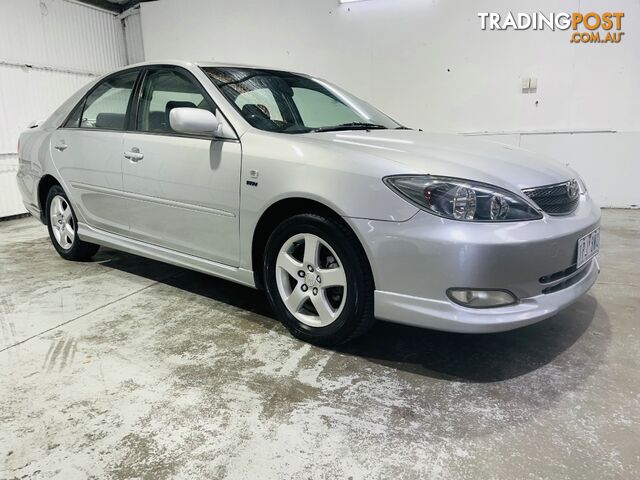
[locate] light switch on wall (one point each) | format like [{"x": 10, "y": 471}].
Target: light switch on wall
[{"x": 529, "y": 85}]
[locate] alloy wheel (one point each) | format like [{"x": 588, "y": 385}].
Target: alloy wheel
[
  {"x": 311, "y": 280},
  {"x": 61, "y": 221}
]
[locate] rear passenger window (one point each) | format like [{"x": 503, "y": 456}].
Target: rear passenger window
[
  {"x": 106, "y": 106},
  {"x": 74, "y": 119},
  {"x": 163, "y": 91}
]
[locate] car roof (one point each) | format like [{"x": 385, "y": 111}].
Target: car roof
[{"x": 192, "y": 64}]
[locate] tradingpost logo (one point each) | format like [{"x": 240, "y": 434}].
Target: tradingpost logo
[{"x": 594, "y": 27}]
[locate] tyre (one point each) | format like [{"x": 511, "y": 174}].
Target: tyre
[
  {"x": 318, "y": 280},
  {"x": 63, "y": 227}
]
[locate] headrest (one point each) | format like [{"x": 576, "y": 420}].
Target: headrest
[
  {"x": 112, "y": 121},
  {"x": 257, "y": 115},
  {"x": 174, "y": 104},
  {"x": 256, "y": 109}
]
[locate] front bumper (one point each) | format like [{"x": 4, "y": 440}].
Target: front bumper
[
  {"x": 415, "y": 262},
  {"x": 447, "y": 316}
]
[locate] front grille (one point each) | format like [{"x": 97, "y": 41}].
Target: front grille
[
  {"x": 558, "y": 275},
  {"x": 557, "y": 199},
  {"x": 566, "y": 283},
  {"x": 567, "y": 277}
]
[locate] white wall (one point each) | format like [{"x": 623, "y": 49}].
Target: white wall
[
  {"x": 66, "y": 45},
  {"x": 428, "y": 64}
]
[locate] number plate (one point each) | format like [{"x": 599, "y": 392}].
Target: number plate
[{"x": 588, "y": 247}]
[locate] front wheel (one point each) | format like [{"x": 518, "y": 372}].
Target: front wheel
[
  {"x": 63, "y": 227},
  {"x": 318, "y": 280}
]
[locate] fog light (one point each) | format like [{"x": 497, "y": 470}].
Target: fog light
[{"x": 481, "y": 298}]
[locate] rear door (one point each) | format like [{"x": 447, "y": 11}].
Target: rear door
[
  {"x": 87, "y": 151},
  {"x": 183, "y": 191}
]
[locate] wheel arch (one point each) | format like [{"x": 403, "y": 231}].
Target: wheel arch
[
  {"x": 44, "y": 185},
  {"x": 278, "y": 212}
]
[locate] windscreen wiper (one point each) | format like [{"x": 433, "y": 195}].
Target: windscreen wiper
[{"x": 350, "y": 126}]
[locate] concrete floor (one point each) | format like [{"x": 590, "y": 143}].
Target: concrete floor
[{"x": 128, "y": 368}]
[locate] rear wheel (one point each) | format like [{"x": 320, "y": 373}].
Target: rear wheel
[
  {"x": 63, "y": 227},
  {"x": 318, "y": 280}
]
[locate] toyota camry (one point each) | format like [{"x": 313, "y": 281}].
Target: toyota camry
[{"x": 285, "y": 182}]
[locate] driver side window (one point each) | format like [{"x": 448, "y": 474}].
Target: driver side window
[{"x": 163, "y": 91}]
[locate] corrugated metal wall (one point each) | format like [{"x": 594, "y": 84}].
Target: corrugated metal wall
[
  {"x": 48, "y": 49},
  {"x": 10, "y": 203},
  {"x": 62, "y": 34},
  {"x": 28, "y": 94},
  {"x": 133, "y": 35}
]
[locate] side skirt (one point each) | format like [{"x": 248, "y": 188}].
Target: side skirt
[{"x": 136, "y": 247}]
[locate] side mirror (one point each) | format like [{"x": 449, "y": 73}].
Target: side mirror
[{"x": 195, "y": 121}]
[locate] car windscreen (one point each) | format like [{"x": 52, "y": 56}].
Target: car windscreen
[{"x": 284, "y": 102}]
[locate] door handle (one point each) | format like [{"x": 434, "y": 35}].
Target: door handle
[
  {"x": 61, "y": 147},
  {"x": 134, "y": 155}
]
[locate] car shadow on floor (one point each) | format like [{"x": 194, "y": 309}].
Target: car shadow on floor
[
  {"x": 477, "y": 358},
  {"x": 461, "y": 357}
]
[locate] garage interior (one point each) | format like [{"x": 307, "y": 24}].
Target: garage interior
[{"x": 124, "y": 367}]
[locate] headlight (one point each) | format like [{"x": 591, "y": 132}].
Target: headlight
[
  {"x": 460, "y": 199},
  {"x": 581, "y": 184}
]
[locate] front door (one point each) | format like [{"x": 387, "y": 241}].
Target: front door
[{"x": 183, "y": 192}]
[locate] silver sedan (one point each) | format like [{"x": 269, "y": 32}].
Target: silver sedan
[{"x": 286, "y": 182}]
